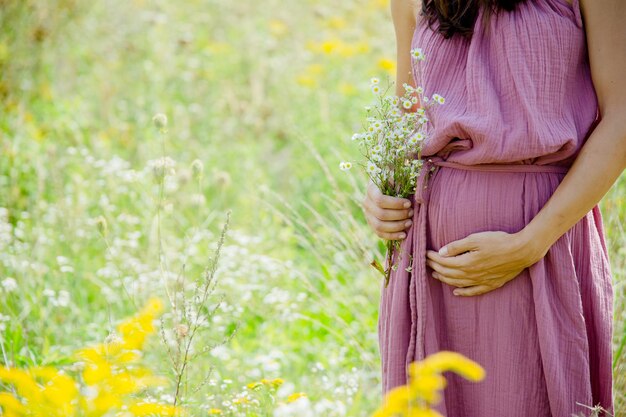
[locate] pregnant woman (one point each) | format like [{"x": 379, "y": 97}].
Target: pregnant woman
[{"x": 510, "y": 266}]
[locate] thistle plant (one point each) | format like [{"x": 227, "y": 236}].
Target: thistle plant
[{"x": 391, "y": 143}]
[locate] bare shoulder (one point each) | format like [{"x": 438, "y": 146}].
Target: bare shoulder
[
  {"x": 417, "y": 6},
  {"x": 606, "y": 43},
  {"x": 403, "y": 13}
]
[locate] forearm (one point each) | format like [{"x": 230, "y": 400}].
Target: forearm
[{"x": 598, "y": 165}]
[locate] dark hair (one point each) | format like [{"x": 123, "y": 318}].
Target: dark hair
[{"x": 459, "y": 16}]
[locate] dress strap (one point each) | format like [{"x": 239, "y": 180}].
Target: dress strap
[{"x": 577, "y": 12}]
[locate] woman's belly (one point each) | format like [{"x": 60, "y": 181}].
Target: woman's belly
[{"x": 463, "y": 202}]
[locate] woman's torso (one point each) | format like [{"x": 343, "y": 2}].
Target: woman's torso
[{"x": 519, "y": 91}]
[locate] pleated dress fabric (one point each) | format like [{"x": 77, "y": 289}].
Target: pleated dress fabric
[{"x": 518, "y": 92}]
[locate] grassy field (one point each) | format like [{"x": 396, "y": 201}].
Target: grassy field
[{"x": 261, "y": 100}]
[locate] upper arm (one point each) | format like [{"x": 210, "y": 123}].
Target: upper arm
[
  {"x": 403, "y": 15},
  {"x": 606, "y": 43}
]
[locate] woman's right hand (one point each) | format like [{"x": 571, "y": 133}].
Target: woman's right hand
[{"x": 388, "y": 216}]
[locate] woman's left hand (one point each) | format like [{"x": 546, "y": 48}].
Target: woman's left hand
[{"x": 482, "y": 262}]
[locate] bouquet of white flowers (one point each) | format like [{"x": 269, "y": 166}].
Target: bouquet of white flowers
[{"x": 391, "y": 143}]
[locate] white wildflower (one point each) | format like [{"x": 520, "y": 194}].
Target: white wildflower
[
  {"x": 372, "y": 168},
  {"x": 160, "y": 121},
  {"x": 345, "y": 165},
  {"x": 438, "y": 98},
  {"x": 113, "y": 339},
  {"x": 162, "y": 167},
  {"x": 3, "y": 320},
  {"x": 301, "y": 407},
  {"x": 197, "y": 199},
  {"x": 9, "y": 284},
  {"x": 407, "y": 104},
  {"x": 374, "y": 80},
  {"x": 418, "y": 54}
]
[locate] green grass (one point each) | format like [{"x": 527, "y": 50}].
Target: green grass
[{"x": 270, "y": 118}]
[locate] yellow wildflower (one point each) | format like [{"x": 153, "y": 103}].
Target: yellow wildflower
[
  {"x": 254, "y": 385},
  {"x": 387, "y": 65},
  {"x": 151, "y": 409},
  {"x": 450, "y": 361},
  {"x": 295, "y": 396},
  {"x": 425, "y": 383}
]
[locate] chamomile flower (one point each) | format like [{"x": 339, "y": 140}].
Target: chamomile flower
[
  {"x": 372, "y": 168},
  {"x": 417, "y": 54},
  {"x": 377, "y": 149},
  {"x": 345, "y": 165},
  {"x": 438, "y": 98},
  {"x": 376, "y": 89},
  {"x": 407, "y": 104},
  {"x": 374, "y": 80},
  {"x": 419, "y": 89}
]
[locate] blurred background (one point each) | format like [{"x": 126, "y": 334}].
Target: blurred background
[{"x": 261, "y": 100}]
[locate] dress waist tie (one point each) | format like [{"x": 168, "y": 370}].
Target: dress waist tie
[{"x": 418, "y": 274}]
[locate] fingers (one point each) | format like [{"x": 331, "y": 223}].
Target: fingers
[
  {"x": 391, "y": 230},
  {"x": 390, "y": 226},
  {"x": 387, "y": 215},
  {"x": 458, "y": 247},
  {"x": 470, "y": 291},
  {"x": 392, "y": 236},
  {"x": 459, "y": 261},
  {"x": 386, "y": 201},
  {"x": 461, "y": 283},
  {"x": 445, "y": 271}
]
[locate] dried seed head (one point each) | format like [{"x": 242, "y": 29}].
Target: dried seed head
[
  {"x": 197, "y": 168},
  {"x": 222, "y": 179},
  {"x": 101, "y": 223},
  {"x": 160, "y": 121},
  {"x": 182, "y": 330}
]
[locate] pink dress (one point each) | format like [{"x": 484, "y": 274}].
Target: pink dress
[{"x": 519, "y": 94}]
